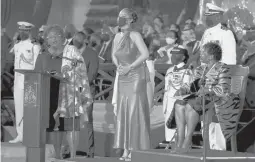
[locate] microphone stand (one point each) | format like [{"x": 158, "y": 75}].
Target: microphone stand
[
  {"x": 204, "y": 119},
  {"x": 205, "y": 126},
  {"x": 74, "y": 65}
]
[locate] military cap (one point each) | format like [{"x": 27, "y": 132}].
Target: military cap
[
  {"x": 212, "y": 9},
  {"x": 25, "y": 25}
]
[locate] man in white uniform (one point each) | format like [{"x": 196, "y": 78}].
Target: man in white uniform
[
  {"x": 25, "y": 57},
  {"x": 218, "y": 32}
]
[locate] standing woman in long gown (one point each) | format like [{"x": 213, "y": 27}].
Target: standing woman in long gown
[{"x": 132, "y": 114}]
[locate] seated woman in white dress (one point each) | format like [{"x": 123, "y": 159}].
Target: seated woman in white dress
[{"x": 176, "y": 77}]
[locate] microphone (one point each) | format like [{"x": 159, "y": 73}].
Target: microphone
[
  {"x": 53, "y": 72},
  {"x": 74, "y": 61}
]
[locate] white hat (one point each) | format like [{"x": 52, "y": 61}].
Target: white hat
[
  {"x": 25, "y": 25},
  {"x": 42, "y": 28},
  {"x": 212, "y": 9}
]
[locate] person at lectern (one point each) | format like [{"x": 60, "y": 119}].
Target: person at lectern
[
  {"x": 132, "y": 113},
  {"x": 25, "y": 56},
  {"x": 69, "y": 89}
]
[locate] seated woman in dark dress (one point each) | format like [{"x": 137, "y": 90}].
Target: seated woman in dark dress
[
  {"x": 216, "y": 80},
  {"x": 58, "y": 62}
]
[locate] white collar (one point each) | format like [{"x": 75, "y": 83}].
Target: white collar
[
  {"x": 180, "y": 65},
  {"x": 69, "y": 40}
]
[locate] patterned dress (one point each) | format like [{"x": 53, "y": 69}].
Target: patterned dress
[
  {"x": 77, "y": 85},
  {"x": 218, "y": 80}
]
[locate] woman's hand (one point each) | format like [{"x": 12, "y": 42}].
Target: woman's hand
[
  {"x": 58, "y": 76},
  {"x": 204, "y": 91},
  {"x": 162, "y": 51},
  {"x": 123, "y": 70}
]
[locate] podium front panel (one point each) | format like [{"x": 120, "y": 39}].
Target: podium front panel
[{"x": 36, "y": 109}]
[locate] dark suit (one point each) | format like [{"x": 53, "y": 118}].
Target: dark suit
[
  {"x": 194, "y": 53},
  {"x": 106, "y": 53},
  {"x": 6, "y": 58},
  {"x": 92, "y": 64}
]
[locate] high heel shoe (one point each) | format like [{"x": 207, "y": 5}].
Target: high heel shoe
[
  {"x": 128, "y": 157},
  {"x": 122, "y": 158}
]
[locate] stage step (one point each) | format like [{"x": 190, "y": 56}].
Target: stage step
[
  {"x": 195, "y": 155},
  {"x": 17, "y": 152}
]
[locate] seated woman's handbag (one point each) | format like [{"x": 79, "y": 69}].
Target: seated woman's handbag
[{"x": 171, "y": 124}]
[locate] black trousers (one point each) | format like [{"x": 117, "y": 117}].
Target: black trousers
[
  {"x": 90, "y": 130},
  {"x": 89, "y": 125}
]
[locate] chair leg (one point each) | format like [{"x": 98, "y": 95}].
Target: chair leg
[{"x": 233, "y": 143}]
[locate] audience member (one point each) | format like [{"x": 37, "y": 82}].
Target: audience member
[
  {"x": 193, "y": 47},
  {"x": 95, "y": 42},
  {"x": 6, "y": 60},
  {"x": 188, "y": 35},
  {"x": 172, "y": 41},
  {"x": 69, "y": 30},
  {"x": 105, "y": 54},
  {"x": 92, "y": 63}
]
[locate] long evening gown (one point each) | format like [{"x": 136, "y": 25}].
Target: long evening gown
[{"x": 133, "y": 117}]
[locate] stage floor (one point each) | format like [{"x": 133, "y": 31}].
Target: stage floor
[
  {"x": 16, "y": 153},
  {"x": 161, "y": 155},
  {"x": 195, "y": 155}
]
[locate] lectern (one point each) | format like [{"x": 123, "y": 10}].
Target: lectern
[{"x": 36, "y": 113}]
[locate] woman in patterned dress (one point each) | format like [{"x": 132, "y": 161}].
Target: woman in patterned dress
[
  {"x": 60, "y": 62},
  {"x": 132, "y": 114},
  {"x": 216, "y": 79}
]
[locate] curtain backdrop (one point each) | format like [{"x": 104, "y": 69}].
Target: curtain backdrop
[
  {"x": 34, "y": 11},
  {"x": 6, "y": 8},
  {"x": 173, "y": 8},
  {"x": 40, "y": 13}
]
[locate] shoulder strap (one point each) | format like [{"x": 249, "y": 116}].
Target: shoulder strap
[{"x": 122, "y": 42}]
